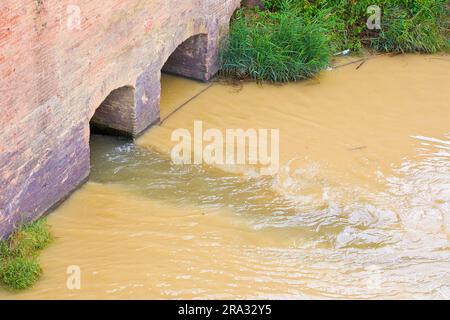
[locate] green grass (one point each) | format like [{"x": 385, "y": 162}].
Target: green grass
[
  {"x": 293, "y": 39},
  {"x": 406, "y": 25},
  {"x": 406, "y": 29},
  {"x": 274, "y": 47},
  {"x": 19, "y": 268}
]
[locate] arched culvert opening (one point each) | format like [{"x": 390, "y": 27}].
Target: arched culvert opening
[
  {"x": 192, "y": 59},
  {"x": 116, "y": 114},
  {"x": 129, "y": 111}
]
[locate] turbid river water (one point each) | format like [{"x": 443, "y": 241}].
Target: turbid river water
[{"x": 359, "y": 209}]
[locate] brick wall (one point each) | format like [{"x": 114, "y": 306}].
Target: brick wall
[{"x": 59, "y": 60}]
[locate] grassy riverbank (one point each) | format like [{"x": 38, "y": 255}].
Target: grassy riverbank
[
  {"x": 19, "y": 266},
  {"x": 294, "y": 39}
]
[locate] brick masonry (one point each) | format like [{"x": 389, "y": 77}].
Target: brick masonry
[{"x": 60, "y": 60}]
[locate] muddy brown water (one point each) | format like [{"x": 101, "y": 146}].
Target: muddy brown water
[{"x": 359, "y": 209}]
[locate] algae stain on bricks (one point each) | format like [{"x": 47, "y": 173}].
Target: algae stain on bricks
[{"x": 71, "y": 58}]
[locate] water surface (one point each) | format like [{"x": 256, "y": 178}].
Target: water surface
[{"x": 359, "y": 209}]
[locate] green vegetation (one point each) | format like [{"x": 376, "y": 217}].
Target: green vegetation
[
  {"x": 19, "y": 268},
  {"x": 293, "y": 39},
  {"x": 419, "y": 27}
]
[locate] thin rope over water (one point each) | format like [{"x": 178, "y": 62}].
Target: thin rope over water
[{"x": 184, "y": 104}]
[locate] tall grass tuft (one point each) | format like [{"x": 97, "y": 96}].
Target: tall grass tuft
[
  {"x": 274, "y": 47},
  {"x": 19, "y": 268}
]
